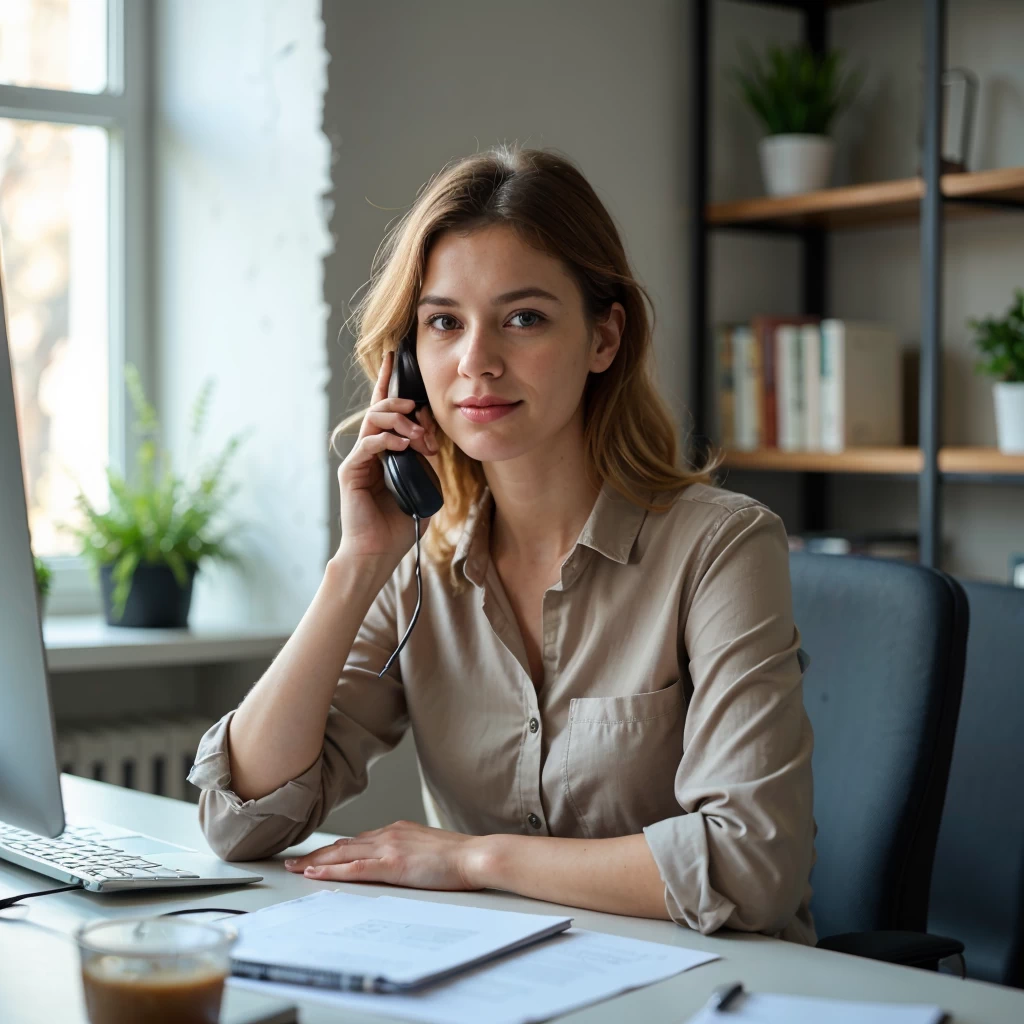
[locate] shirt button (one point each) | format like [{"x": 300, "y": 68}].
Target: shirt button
[
  {"x": 533, "y": 820},
  {"x": 534, "y": 725}
]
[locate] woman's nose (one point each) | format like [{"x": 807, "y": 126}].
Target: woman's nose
[{"x": 481, "y": 354}]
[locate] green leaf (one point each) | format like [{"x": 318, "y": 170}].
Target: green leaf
[
  {"x": 792, "y": 89},
  {"x": 1001, "y": 342}
]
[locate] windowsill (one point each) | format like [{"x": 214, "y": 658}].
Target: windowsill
[{"x": 77, "y": 643}]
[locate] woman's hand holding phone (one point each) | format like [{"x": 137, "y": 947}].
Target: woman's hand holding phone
[{"x": 373, "y": 528}]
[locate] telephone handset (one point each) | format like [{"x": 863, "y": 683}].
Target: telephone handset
[{"x": 407, "y": 475}]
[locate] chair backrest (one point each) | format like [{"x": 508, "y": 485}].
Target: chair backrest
[
  {"x": 886, "y": 641},
  {"x": 978, "y": 881}
]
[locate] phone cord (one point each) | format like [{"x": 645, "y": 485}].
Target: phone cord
[{"x": 419, "y": 596}]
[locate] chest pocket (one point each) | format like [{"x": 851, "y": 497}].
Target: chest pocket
[{"x": 621, "y": 758}]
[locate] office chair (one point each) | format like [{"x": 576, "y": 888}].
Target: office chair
[
  {"x": 886, "y": 641},
  {"x": 977, "y": 891}
]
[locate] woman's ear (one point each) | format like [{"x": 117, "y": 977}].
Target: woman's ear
[{"x": 607, "y": 337}]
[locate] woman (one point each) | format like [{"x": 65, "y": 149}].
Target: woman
[{"x": 605, "y": 680}]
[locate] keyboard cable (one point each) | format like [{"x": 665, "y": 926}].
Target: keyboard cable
[{"x": 11, "y": 901}]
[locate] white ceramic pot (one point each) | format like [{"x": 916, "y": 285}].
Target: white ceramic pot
[
  {"x": 1010, "y": 416},
  {"x": 796, "y": 163}
]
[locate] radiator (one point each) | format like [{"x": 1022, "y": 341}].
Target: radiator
[{"x": 153, "y": 754}]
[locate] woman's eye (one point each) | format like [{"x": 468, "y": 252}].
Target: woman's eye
[
  {"x": 433, "y": 321},
  {"x": 537, "y": 318}
]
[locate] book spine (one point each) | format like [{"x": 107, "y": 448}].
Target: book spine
[
  {"x": 810, "y": 337},
  {"x": 784, "y": 394},
  {"x": 725, "y": 387},
  {"x": 768, "y": 417},
  {"x": 755, "y": 391},
  {"x": 832, "y": 383},
  {"x": 798, "y": 389},
  {"x": 744, "y": 381}
]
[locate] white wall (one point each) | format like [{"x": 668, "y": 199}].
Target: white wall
[{"x": 241, "y": 169}]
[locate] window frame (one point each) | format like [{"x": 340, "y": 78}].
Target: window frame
[{"x": 125, "y": 109}]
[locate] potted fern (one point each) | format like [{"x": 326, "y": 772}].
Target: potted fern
[
  {"x": 1001, "y": 343},
  {"x": 146, "y": 549},
  {"x": 797, "y": 95}
]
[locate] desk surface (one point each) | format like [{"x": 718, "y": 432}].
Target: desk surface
[{"x": 763, "y": 964}]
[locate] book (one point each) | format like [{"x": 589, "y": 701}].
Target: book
[
  {"x": 861, "y": 385},
  {"x": 724, "y": 387},
  {"x": 765, "y": 329},
  {"x": 810, "y": 352},
  {"x": 790, "y": 385},
  {"x": 746, "y": 382}
]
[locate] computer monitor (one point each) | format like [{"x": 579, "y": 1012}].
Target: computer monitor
[{"x": 30, "y": 794}]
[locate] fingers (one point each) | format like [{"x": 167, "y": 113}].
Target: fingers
[
  {"x": 392, "y": 405},
  {"x": 380, "y": 388},
  {"x": 368, "y": 870},
  {"x": 394, "y": 421},
  {"x": 374, "y": 444}
]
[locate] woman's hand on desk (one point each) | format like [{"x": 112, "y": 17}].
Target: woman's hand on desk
[
  {"x": 404, "y": 853},
  {"x": 618, "y": 876}
]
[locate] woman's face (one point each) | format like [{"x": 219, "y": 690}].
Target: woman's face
[{"x": 500, "y": 321}]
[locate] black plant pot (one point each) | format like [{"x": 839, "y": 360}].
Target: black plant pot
[{"x": 155, "y": 599}]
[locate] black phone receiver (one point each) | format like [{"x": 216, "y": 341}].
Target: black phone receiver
[{"x": 407, "y": 475}]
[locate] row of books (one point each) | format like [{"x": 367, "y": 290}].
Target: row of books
[{"x": 799, "y": 383}]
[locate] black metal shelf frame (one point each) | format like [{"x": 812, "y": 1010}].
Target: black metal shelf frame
[{"x": 814, "y": 256}]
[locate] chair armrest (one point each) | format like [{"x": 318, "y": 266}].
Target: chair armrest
[{"x": 913, "y": 949}]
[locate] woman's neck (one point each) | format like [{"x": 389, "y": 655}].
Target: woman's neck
[{"x": 541, "y": 502}]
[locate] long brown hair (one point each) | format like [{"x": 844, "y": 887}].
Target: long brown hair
[{"x": 629, "y": 433}]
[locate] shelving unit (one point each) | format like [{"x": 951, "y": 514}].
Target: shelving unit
[{"x": 926, "y": 200}]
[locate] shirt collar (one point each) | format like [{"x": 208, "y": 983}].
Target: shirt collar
[{"x": 611, "y": 530}]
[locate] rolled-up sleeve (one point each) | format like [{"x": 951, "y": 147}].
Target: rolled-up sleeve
[
  {"x": 741, "y": 852},
  {"x": 367, "y": 718}
]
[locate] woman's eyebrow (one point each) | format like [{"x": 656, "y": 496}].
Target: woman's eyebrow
[{"x": 532, "y": 292}]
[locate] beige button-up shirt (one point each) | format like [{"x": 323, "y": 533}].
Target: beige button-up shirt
[{"x": 671, "y": 705}]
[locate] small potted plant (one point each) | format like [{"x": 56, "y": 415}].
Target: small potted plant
[
  {"x": 797, "y": 94},
  {"x": 44, "y": 579},
  {"x": 1001, "y": 342},
  {"x": 147, "y": 547}
]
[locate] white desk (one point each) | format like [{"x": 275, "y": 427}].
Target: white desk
[{"x": 763, "y": 964}]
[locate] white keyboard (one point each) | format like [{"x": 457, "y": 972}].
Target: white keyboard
[{"x": 99, "y": 855}]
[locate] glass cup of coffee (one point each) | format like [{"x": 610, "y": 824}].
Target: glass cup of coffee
[{"x": 154, "y": 970}]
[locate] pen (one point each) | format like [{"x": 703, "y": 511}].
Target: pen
[
  {"x": 338, "y": 981},
  {"x": 723, "y": 995}
]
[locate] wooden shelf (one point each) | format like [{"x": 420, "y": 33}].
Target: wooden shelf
[
  {"x": 853, "y": 460},
  {"x": 961, "y": 462},
  {"x": 980, "y": 462},
  {"x": 860, "y": 205}
]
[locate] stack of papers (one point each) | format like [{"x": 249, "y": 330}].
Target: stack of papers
[
  {"x": 759, "y": 1008},
  {"x": 572, "y": 969},
  {"x": 387, "y": 944}
]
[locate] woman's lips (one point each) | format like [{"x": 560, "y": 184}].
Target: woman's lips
[{"x": 486, "y": 413}]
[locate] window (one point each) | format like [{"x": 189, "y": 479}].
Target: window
[{"x": 73, "y": 148}]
